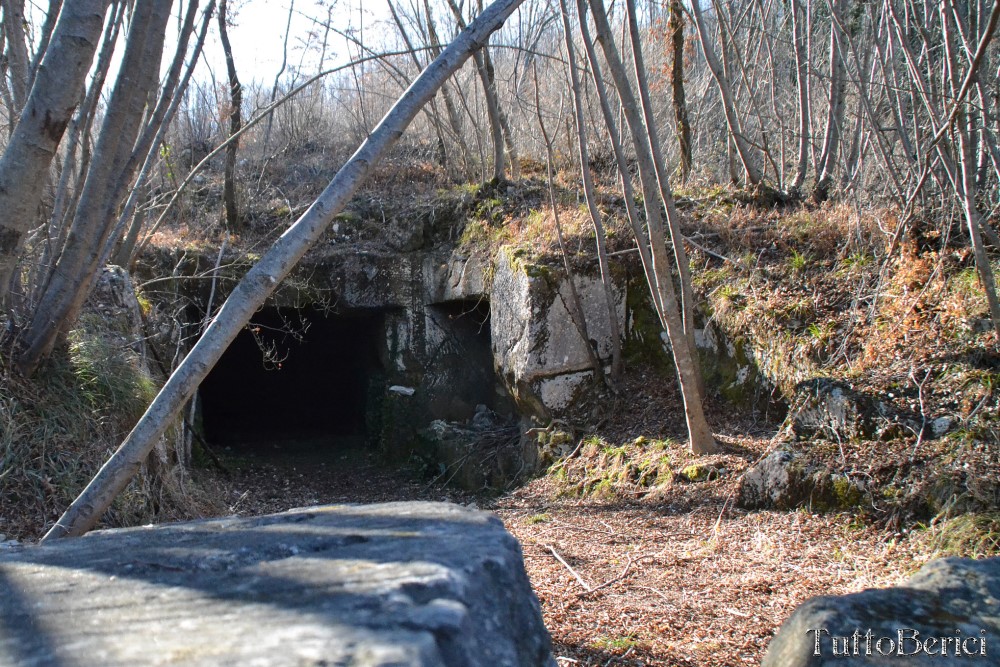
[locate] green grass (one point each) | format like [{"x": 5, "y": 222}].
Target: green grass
[
  {"x": 622, "y": 643},
  {"x": 798, "y": 262},
  {"x": 974, "y": 535}
]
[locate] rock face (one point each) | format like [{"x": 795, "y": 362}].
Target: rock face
[
  {"x": 400, "y": 584},
  {"x": 786, "y": 479},
  {"x": 830, "y": 409},
  {"x": 947, "y": 614}
]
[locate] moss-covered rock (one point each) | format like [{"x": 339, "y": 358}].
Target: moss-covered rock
[
  {"x": 699, "y": 473},
  {"x": 787, "y": 479}
]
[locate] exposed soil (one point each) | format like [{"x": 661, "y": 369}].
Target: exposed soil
[{"x": 670, "y": 575}]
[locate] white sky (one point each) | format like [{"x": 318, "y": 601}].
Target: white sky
[{"x": 259, "y": 33}]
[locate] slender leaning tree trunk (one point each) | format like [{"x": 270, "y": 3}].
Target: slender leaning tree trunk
[
  {"x": 660, "y": 167},
  {"x": 47, "y": 112},
  {"x": 574, "y": 308},
  {"x": 235, "y": 123},
  {"x": 835, "y": 113},
  {"x": 802, "y": 88},
  {"x": 754, "y": 176},
  {"x": 600, "y": 237},
  {"x": 262, "y": 279},
  {"x": 17, "y": 51},
  {"x": 499, "y": 126},
  {"x": 682, "y": 125},
  {"x": 688, "y": 374}
]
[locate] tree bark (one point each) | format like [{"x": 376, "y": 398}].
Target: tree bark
[
  {"x": 277, "y": 77},
  {"x": 688, "y": 375},
  {"x": 235, "y": 122},
  {"x": 974, "y": 221},
  {"x": 682, "y": 125},
  {"x": 641, "y": 238},
  {"x": 170, "y": 98},
  {"x": 16, "y": 52},
  {"x": 800, "y": 39},
  {"x": 434, "y": 116},
  {"x": 835, "y": 113},
  {"x": 47, "y": 112},
  {"x": 263, "y": 278},
  {"x": 51, "y": 15},
  {"x": 754, "y": 177},
  {"x": 454, "y": 117},
  {"x": 499, "y": 126},
  {"x": 600, "y": 238},
  {"x": 93, "y": 220},
  {"x": 78, "y": 139},
  {"x": 574, "y": 308},
  {"x": 660, "y": 169}
]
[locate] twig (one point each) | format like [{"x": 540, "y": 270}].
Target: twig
[
  {"x": 238, "y": 501},
  {"x": 567, "y": 458},
  {"x": 559, "y": 558},
  {"x": 709, "y": 252},
  {"x": 607, "y": 583},
  {"x": 583, "y": 528},
  {"x": 655, "y": 590},
  {"x": 626, "y": 251},
  {"x": 690, "y": 241},
  {"x": 923, "y": 412}
]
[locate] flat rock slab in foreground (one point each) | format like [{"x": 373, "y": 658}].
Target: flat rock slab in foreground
[{"x": 397, "y": 584}]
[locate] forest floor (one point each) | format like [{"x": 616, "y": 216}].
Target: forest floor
[
  {"x": 634, "y": 561},
  {"x": 671, "y": 575}
]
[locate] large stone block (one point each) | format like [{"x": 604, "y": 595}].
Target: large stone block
[
  {"x": 537, "y": 349},
  {"x": 400, "y": 584}
]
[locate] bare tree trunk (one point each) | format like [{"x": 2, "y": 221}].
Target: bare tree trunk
[
  {"x": 802, "y": 88},
  {"x": 48, "y": 110},
  {"x": 78, "y": 140},
  {"x": 974, "y": 220},
  {"x": 728, "y": 105},
  {"x": 277, "y": 77},
  {"x": 17, "y": 51},
  {"x": 835, "y": 114},
  {"x": 660, "y": 168},
  {"x": 966, "y": 186},
  {"x": 73, "y": 275},
  {"x": 263, "y": 278},
  {"x": 499, "y": 127},
  {"x": 641, "y": 238},
  {"x": 688, "y": 375},
  {"x": 682, "y": 126},
  {"x": 454, "y": 117},
  {"x": 51, "y": 15},
  {"x": 235, "y": 122},
  {"x": 434, "y": 116},
  {"x": 172, "y": 93},
  {"x": 588, "y": 190}
]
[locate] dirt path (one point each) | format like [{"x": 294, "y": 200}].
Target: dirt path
[{"x": 678, "y": 577}]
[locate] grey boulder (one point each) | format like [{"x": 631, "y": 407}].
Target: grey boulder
[{"x": 948, "y": 614}]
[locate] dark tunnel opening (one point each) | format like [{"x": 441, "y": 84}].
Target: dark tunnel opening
[
  {"x": 463, "y": 359},
  {"x": 294, "y": 378}
]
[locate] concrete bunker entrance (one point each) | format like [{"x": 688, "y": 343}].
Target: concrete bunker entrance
[
  {"x": 295, "y": 379},
  {"x": 461, "y": 359}
]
